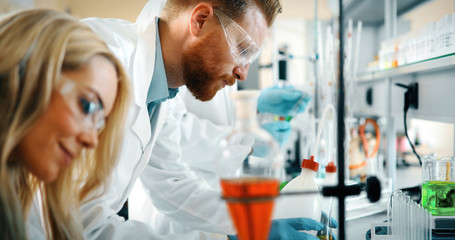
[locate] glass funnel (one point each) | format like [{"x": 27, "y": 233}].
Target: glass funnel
[{"x": 249, "y": 168}]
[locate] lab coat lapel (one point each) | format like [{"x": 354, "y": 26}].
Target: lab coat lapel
[{"x": 143, "y": 66}]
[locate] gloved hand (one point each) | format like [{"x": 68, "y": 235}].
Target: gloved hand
[
  {"x": 281, "y": 101},
  {"x": 333, "y": 222},
  {"x": 280, "y": 130},
  {"x": 290, "y": 228}
]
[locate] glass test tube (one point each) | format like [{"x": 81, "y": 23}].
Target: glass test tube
[
  {"x": 400, "y": 212},
  {"x": 394, "y": 214}
]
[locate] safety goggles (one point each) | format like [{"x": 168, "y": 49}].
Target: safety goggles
[
  {"x": 84, "y": 103},
  {"x": 243, "y": 48}
]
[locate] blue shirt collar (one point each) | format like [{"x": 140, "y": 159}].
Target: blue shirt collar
[{"x": 158, "y": 90}]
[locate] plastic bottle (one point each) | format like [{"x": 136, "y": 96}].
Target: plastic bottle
[
  {"x": 307, "y": 201},
  {"x": 328, "y": 203},
  {"x": 301, "y": 205},
  {"x": 330, "y": 179}
]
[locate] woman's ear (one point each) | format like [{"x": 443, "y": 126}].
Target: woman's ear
[{"x": 201, "y": 13}]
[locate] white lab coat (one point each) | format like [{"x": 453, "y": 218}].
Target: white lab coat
[
  {"x": 134, "y": 45},
  {"x": 220, "y": 112},
  {"x": 179, "y": 190},
  {"x": 189, "y": 206}
]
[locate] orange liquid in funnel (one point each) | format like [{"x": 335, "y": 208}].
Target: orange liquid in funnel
[{"x": 250, "y": 202}]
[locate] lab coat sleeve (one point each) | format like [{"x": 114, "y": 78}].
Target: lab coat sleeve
[
  {"x": 130, "y": 44},
  {"x": 104, "y": 223},
  {"x": 174, "y": 188},
  {"x": 34, "y": 224},
  {"x": 99, "y": 214},
  {"x": 100, "y": 221}
]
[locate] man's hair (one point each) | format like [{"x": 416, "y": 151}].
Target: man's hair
[{"x": 235, "y": 9}]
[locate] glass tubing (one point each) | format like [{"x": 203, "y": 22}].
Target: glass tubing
[{"x": 410, "y": 221}]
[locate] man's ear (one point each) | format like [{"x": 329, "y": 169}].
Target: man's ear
[{"x": 201, "y": 13}]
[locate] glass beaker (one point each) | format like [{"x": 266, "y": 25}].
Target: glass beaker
[
  {"x": 438, "y": 187},
  {"x": 250, "y": 169}
]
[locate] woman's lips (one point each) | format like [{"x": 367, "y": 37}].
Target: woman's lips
[{"x": 68, "y": 155}]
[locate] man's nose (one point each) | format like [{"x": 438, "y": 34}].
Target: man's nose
[{"x": 241, "y": 72}]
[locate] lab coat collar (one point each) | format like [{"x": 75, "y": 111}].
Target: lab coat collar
[
  {"x": 144, "y": 57},
  {"x": 158, "y": 89}
]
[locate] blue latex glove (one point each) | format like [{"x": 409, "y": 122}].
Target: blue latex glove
[
  {"x": 333, "y": 224},
  {"x": 280, "y": 130},
  {"x": 281, "y": 101},
  {"x": 290, "y": 228}
]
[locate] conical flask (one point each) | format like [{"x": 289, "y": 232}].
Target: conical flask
[{"x": 250, "y": 169}]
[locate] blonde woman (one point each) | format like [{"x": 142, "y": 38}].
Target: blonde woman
[{"x": 63, "y": 98}]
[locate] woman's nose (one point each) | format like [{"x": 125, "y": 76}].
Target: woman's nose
[
  {"x": 241, "y": 72},
  {"x": 88, "y": 139}
]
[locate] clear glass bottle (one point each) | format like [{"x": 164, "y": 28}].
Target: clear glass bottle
[
  {"x": 250, "y": 170},
  {"x": 438, "y": 188}
]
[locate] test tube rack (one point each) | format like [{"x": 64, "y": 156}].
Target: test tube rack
[{"x": 407, "y": 220}]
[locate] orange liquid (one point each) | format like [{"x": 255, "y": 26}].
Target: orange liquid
[{"x": 252, "y": 217}]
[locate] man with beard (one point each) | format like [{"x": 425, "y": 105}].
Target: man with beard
[{"x": 187, "y": 44}]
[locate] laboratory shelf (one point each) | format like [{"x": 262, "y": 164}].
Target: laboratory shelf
[
  {"x": 425, "y": 66},
  {"x": 436, "y": 86},
  {"x": 361, "y": 10},
  {"x": 376, "y": 95}
]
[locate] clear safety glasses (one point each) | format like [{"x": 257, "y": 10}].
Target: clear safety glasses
[
  {"x": 84, "y": 103},
  {"x": 243, "y": 48}
]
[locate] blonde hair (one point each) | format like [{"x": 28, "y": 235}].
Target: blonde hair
[
  {"x": 37, "y": 45},
  {"x": 235, "y": 9}
]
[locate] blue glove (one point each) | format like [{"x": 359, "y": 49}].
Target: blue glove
[
  {"x": 281, "y": 101},
  {"x": 290, "y": 228},
  {"x": 280, "y": 130},
  {"x": 332, "y": 224}
]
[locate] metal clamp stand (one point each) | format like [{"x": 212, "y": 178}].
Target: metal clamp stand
[{"x": 341, "y": 191}]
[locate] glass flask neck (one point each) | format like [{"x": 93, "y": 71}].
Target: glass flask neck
[
  {"x": 248, "y": 124},
  {"x": 246, "y": 109}
]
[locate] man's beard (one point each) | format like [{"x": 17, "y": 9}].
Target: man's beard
[{"x": 200, "y": 70}]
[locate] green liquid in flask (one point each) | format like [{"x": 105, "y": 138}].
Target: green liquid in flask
[{"x": 439, "y": 197}]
